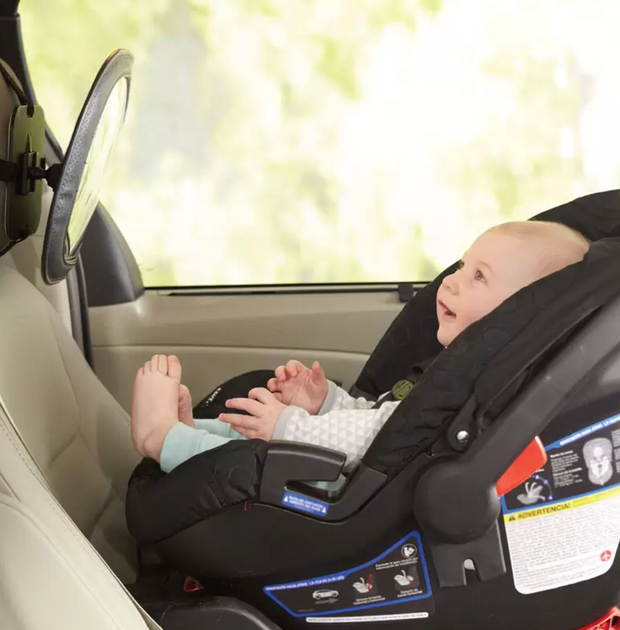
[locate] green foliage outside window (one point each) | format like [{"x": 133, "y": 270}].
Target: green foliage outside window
[{"x": 300, "y": 141}]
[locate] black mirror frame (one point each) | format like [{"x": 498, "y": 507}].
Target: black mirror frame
[{"x": 57, "y": 259}]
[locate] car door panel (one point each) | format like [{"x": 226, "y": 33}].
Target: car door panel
[{"x": 219, "y": 336}]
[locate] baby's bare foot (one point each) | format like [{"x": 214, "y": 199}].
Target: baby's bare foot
[
  {"x": 186, "y": 415},
  {"x": 154, "y": 406}
]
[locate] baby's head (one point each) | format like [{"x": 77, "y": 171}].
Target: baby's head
[{"x": 503, "y": 260}]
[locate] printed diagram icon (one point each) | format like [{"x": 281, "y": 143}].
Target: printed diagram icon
[
  {"x": 536, "y": 490},
  {"x": 325, "y": 594},
  {"x": 606, "y": 556},
  {"x": 363, "y": 586},
  {"x": 409, "y": 551},
  {"x": 598, "y": 455},
  {"x": 402, "y": 579}
]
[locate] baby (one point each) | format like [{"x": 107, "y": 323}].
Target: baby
[{"x": 300, "y": 404}]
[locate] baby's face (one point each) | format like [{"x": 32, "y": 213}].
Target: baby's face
[{"x": 497, "y": 265}]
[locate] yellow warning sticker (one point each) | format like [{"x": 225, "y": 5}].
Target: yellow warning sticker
[{"x": 588, "y": 499}]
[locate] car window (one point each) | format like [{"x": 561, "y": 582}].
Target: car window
[{"x": 305, "y": 141}]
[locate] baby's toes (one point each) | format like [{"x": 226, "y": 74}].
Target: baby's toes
[
  {"x": 174, "y": 368},
  {"x": 161, "y": 364}
]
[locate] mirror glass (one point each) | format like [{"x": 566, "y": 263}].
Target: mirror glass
[{"x": 104, "y": 141}]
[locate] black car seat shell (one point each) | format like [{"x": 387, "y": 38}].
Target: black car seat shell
[{"x": 240, "y": 519}]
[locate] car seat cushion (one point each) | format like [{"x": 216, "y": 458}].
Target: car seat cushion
[
  {"x": 411, "y": 339},
  {"x": 201, "y": 487}
]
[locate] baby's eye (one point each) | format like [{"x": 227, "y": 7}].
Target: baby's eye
[{"x": 479, "y": 276}]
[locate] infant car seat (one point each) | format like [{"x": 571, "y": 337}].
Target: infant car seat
[{"x": 457, "y": 517}]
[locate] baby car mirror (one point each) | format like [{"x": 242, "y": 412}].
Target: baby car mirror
[
  {"x": 76, "y": 181},
  {"x": 76, "y": 193}
]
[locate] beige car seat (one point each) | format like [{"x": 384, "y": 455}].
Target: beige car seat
[
  {"x": 51, "y": 578},
  {"x": 65, "y": 460},
  {"x": 75, "y": 430}
]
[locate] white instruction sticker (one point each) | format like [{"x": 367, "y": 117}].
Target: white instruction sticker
[
  {"x": 403, "y": 617},
  {"x": 563, "y": 523}
]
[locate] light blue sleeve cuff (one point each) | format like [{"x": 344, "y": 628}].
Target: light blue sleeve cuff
[{"x": 332, "y": 392}]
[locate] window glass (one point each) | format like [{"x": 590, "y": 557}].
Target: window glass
[{"x": 304, "y": 141}]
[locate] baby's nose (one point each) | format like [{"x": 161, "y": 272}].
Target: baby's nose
[{"x": 451, "y": 283}]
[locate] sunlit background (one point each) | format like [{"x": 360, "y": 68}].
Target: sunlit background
[{"x": 300, "y": 141}]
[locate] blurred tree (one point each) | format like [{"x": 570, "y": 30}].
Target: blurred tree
[{"x": 294, "y": 141}]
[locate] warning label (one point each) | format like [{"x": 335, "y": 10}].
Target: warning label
[
  {"x": 304, "y": 504},
  {"x": 563, "y": 523}
]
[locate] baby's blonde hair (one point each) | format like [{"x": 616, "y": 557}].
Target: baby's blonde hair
[{"x": 563, "y": 245}]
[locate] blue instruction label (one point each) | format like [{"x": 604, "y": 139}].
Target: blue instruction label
[
  {"x": 396, "y": 582},
  {"x": 305, "y": 504}
]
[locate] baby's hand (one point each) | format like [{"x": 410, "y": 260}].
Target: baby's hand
[
  {"x": 295, "y": 384},
  {"x": 265, "y": 409}
]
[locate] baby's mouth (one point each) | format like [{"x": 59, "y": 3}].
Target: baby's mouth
[{"x": 446, "y": 311}]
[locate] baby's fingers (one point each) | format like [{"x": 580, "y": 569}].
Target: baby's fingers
[
  {"x": 273, "y": 385},
  {"x": 293, "y": 368},
  {"x": 262, "y": 395},
  {"x": 317, "y": 371},
  {"x": 238, "y": 421},
  {"x": 248, "y": 433},
  {"x": 246, "y": 404}
]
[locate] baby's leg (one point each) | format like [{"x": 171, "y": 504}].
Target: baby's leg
[
  {"x": 183, "y": 442},
  {"x": 154, "y": 404}
]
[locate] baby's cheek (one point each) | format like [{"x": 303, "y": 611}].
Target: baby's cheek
[
  {"x": 468, "y": 319},
  {"x": 484, "y": 307}
]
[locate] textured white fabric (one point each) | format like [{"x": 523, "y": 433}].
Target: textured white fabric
[
  {"x": 349, "y": 426},
  {"x": 340, "y": 399}
]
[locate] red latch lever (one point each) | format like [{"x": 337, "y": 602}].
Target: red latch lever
[
  {"x": 530, "y": 460},
  {"x": 608, "y": 622}
]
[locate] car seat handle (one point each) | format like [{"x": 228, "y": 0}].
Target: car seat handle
[
  {"x": 295, "y": 461},
  {"x": 290, "y": 462}
]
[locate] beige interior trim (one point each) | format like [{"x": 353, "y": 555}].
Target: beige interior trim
[
  {"x": 217, "y": 337},
  {"x": 346, "y": 322}
]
